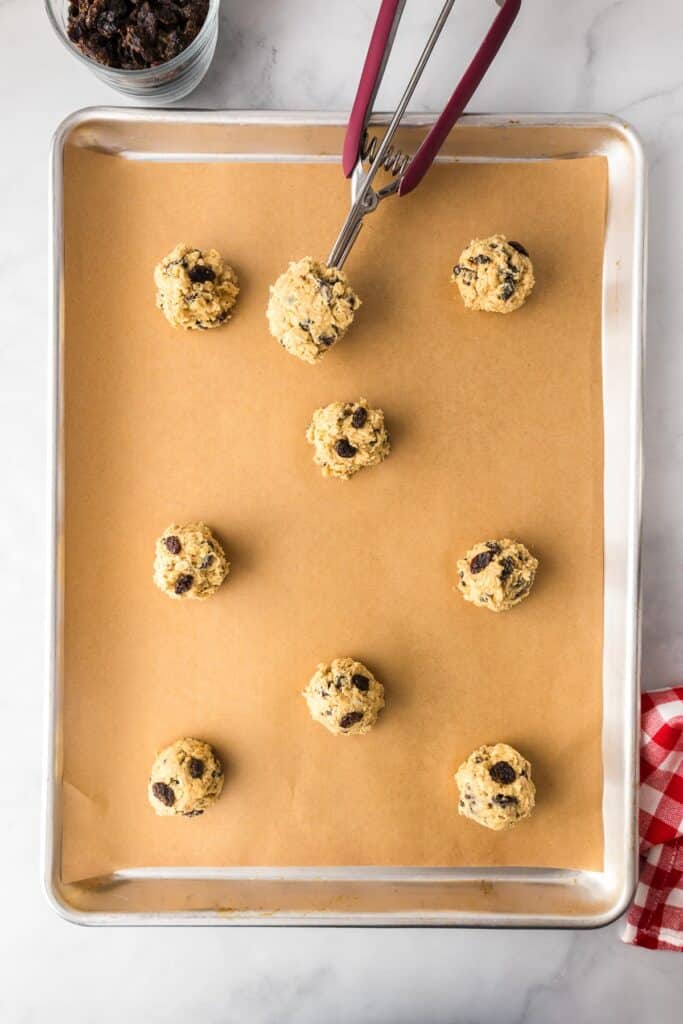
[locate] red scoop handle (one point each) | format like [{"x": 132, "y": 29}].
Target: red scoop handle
[
  {"x": 464, "y": 90},
  {"x": 370, "y": 78},
  {"x": 373, "y": 68}
]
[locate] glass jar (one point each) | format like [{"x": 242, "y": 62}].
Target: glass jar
[{"x": 149, "y": 86}]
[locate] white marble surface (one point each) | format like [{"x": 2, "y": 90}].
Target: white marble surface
[{"x": 595, "y": 55}]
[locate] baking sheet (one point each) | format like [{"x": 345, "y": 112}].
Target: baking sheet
[{"x": 497, "y": 430}]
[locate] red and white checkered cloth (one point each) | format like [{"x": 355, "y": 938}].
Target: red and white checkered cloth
[{"x": 655, "y": 919}]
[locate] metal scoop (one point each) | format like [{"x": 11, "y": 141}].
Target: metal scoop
[{"x": 360, "y": 146}]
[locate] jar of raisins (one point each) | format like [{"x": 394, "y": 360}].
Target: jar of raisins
[{"x": 152, "y": 51}]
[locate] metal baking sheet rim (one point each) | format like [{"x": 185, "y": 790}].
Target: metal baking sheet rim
[{"x": 603, "y": 896}]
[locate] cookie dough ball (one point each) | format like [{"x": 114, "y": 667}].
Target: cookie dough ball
[
  {"x": 189, "y": 562},
  {"x": 195, "y": 288},
  {"x": 344, "y": 696},
  {"x": 186, "y": 778},
  {"x": 495, "y": 787},
  {"x": 494, "y": 275},
  {"x": 348, "y": 436},
  {"x": 311, "y": 307},
  {"x": 497, "y": 574}
]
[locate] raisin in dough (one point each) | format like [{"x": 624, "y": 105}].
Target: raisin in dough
[
  {"x": 497, "y": 574},
  {"x": 195, "y": 288},
  {"x": 494, "y": 275},
  {"x": 344, "y": 696},
  {"x": 311, "y": 307},
  {"x": 348, "y": 436},
  {"x": 189, "y": 562},
  {"x": 186, "y": 778},
  {"x": 495, "y": 787}
]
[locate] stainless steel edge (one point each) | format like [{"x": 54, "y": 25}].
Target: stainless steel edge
[
  {"x": 633, "y": 601},
  {"x": 638, "y": 316},
  {"x": 49, "y": 854},
  {"x": 50, "y": 833},
  {"x": 51, "y": 836}
]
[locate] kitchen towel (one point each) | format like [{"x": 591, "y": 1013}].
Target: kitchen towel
[{"x": 655, "y": 919}]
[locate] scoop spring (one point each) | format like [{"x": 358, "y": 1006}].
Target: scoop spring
[{"x": 393, "y": 160}]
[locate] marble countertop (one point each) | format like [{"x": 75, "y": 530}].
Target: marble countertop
[{"x": 617, "y": 56}]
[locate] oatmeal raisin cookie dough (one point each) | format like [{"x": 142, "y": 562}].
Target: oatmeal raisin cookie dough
[
  {"x": 196, "y": 289},
  {"x": 186, "y": 778},
  {"x": 344, "y": 696},
  {"x": 494, "y": 275},
  {"x": 311, "y": 307},
  {"x": 497, "y": 574},
  {"x": 189, "y": 562},
  {"x": 495, "y": 787},
  {"x": 348, "y": 436}
]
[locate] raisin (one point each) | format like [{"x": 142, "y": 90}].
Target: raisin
[
  {"x": 164, "y": 794},
  {"x": 503, "y": 773},
  {"x": 508, "y": 288},
  {"x": 91, "y": 13},
  {"x": 507, "y": 567},
  {"x": 167, "y": 14},
  {"x": 206, "y": 562},
  {"x": 173, "y": 45},
  {"x": 467, "y": 273},
  {"x": 196, "y": 767},
  {"x": 350, "y": 719},
  {"x": 361, "y": 683},
  {"x": 199, "y": 274},
  {"x": 183, "y": 584},
  {"x": 345, "y": 450},
  {"x": 135, "y": 42},
  {"x": 481, "y": 258},
  {"x": 106, "y": 24},
  {"x": 359, "y": 417},
  {"x": 519, "y": 247},
  {"x": 147, "y": 20},
  {"x": 173, "y": 545},
  {"x": 503, "y": 800},
  {"x": 327, "y": 339},
  {"x": 480, "y": 561}
]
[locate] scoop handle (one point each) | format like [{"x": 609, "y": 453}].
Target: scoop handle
[
  {"x": 381, "y": 42},
  {"x": 464, "y": 90}
]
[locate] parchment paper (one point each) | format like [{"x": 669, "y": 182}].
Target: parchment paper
[{"x": 496, "y": 423}]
